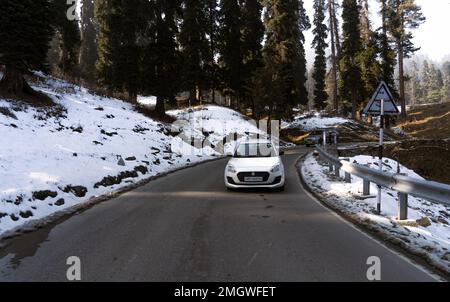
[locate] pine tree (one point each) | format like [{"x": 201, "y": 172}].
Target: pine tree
[
  {"x": 350, "y": 84},
  {"x": 194, "y": 46},
  {"x": 118, "y": 50},
  {"x": 301, "y": 71},
  {"x": 433, "y": 83},
  {"x": 252, "y": 29},
  {"x": 285, "y": 22},
  {"x": 405, "y": 15},
  {"x": 414, "y": 84},
  {"x": 212, "y": 32},
  {"x": 126, "y": 69},
  {"x": 320, "y": 45},
  {"x": 335, "y": 53},
  {"x": 368, "y": 57},
  {"x": 231, "y": 57},
  {"x": 108, "y": 44},
  {"x": 26, "y": 30},
  {"x": 161, "y": 58},
  {"x": 88, "y": 48},
  {"x": 387, "y": 54},
  {"x": 68, "y": 34}
]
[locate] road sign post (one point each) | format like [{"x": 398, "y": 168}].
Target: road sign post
[
  {"x": 381, "y": 151},
  {"x": 381, "y": 104}
]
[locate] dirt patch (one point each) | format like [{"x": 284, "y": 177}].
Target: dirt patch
[
  {"x": 428, "y": 122},
  {"x": 354, "y": 132}
]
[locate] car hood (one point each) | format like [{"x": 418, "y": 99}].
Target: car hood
[{"x": 255, "y": 163}]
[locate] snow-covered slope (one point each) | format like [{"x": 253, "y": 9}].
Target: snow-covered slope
[
  {"x": 208, "y": 125},
  {"x": 427, "y": 232},
  {"x": 314, "y": 122},
  {"x": 89, "y": 145}
]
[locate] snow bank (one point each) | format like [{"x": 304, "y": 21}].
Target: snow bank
[
  {"x": 310, "y": 123},
  {"x": 93, "y": 146},
  {"x": 427, "y": 233},
  {"x": 209, "y": 124},
  {"x": 149, "y": 101}
]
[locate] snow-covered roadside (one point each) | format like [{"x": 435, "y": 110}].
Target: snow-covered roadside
[
  {"x": 148, "y": 101},
  {"x": 208, "y": 125},
  {"x": 314, "y": 122},
  {"x": 88, "y": 146},
  {"x": 426, "y": 233}
]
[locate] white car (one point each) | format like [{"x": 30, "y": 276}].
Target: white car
[{"x": 255, "y": 164}]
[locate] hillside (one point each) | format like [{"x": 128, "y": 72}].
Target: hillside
[
  {"x": 54, "y": 158},
  {"x": 428, "y": 122},
  {"x": 350, "y": 131}
]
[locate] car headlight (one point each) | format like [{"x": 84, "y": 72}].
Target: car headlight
[
  {"x": 276, "y": 169},
  {"x": 231, "y": 169}
]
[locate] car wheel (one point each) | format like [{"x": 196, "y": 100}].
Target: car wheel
[{"x": 280, "y": 189}]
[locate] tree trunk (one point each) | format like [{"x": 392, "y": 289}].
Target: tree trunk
[
  {"x": 334, "y": 59},
  {"x": 354, "y": 104},
  {"x": 13, "y": 83},
  {"x": 336, "y": 31},
  {"x": 132, "y": 96},
  {"x": 401, "y": 79},
  {"x": 160, "y": 108}
]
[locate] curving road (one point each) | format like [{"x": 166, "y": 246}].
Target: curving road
[{"x": 187, "y": 227}]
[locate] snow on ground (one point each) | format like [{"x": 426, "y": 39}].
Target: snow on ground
[
  {"x": 313, "y": 122},
  {"x": 50, "y": 162},
  {"x": 426, "y": 233},
  {"x": 208, "y": 125},
  {"x": 148, "y": 101}
]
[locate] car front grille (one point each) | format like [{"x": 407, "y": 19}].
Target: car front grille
[{"x": 243, "y": 175}]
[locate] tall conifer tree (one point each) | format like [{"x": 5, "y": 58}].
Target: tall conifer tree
[
  {"x": 320, "y": 64},
  {"x": 350, "y": 83},
  {"x": 24, "y": 43}
]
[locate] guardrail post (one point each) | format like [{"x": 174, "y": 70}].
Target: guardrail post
[
  {"x": 331, "y": 167},
  {"x": 337, "y": 171},
  {"x": 348, "y": 176},
  {"x": 402, "y": 206},
  {"x": 366, "y": 187}
]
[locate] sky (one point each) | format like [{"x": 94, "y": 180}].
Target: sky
[{"x": 433, "y": 36}]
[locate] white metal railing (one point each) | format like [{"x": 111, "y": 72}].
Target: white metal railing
[{"x": 430, "y": 190}]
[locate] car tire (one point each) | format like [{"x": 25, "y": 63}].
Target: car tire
[{"x": 281, "y": 189}]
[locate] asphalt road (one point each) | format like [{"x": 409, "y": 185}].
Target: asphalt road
[{"x": 187, "y": 227}]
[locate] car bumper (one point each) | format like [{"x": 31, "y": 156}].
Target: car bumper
[{"x": 275, "y": 180}]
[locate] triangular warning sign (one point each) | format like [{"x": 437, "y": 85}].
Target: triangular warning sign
[{"x": 374, "y": 106}]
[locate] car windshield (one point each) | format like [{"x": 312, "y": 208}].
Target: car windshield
[{"x": 249, "y": 150}]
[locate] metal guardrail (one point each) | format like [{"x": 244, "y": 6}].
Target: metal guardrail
[{"x": 433, "y": 191}]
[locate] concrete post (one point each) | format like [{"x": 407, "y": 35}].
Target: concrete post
[
  {"x": 337, "y": 171},
  {"x": 366, "y": 187},
  {"x": 402, "y": 206},
  {"x": 348, "y": 176}
]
